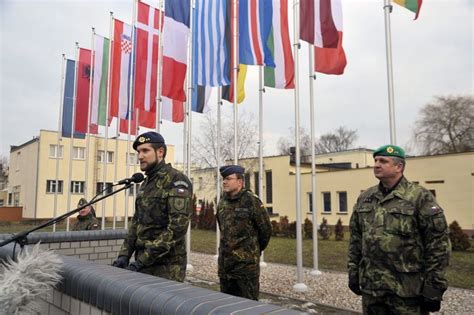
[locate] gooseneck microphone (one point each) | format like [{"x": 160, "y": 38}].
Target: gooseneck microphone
[{"x": 136, "y": 178}]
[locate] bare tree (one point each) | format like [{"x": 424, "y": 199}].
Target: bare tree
[
  {"x": 446, "y": 125},
  {"x": 205, "y": 141},
  {"x": 339, "y": 140}
]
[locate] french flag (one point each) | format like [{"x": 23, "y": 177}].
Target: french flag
[{"x": 175, "y": 40}]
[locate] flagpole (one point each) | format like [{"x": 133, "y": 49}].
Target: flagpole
[
  {"x": 71, "y": 143},
  {"x": 218, "y": 160},
  {"x": 58, "y": 142},
  {"x": 312, "y": 77},
  {"x": 104, "y": 171},
  {"x": 189, "y": 102},
  {"x": 388, "y": 44},
  {"x": 160, "y": 63},
  {"x": 234, "y": 74},
  {"x": 299, "y": 286},
  {"x": 88, "y": 136}
]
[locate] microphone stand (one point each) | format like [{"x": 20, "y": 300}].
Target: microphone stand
[{"x": 21, "y": 238}]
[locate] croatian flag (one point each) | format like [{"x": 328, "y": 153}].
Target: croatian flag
[
  {"x": 175, "y": 47},
  {"x": 146, "y": 57}
]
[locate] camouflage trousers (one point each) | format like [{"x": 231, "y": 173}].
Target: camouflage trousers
[
  {"x": 391, "y": 305},
  {"x": 247, "y": 288},
  {"x": 171, "y": 272}
]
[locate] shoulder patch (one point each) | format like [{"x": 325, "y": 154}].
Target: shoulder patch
[
  {"x": 435, "y": 210},
  {"x": 181, "y": 183}
]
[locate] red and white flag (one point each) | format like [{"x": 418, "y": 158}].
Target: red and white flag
[
  {"x": 146, "y": 57},
  {"x": 172, "y": 110},
  {"x": 332, "y": 60},
  {"x": 316, "y": 23}
]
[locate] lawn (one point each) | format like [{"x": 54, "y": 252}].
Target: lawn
[{"x": 332, "y": 254}]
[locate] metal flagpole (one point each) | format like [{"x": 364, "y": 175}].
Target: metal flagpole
[
  {"x": 58, "y": 142},
  {"x": 234, "y": 74},
  {"x": 312, "y": 76},
  {"x": 71, "y": 143},
  {"x": 299, "y": 286},
  {"x": 189, "y": 102},
  {"x": 160, "y": 63},
  {"x": 261, "y": 90},
  {"x": 388, "y": 44},
  {"x": 88, "y": 135},
  {"x": 104, "y": 171},
  {"x": 218, "y": 160}
]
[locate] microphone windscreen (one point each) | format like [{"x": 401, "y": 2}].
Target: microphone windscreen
[{"x": 137, "y": 178}]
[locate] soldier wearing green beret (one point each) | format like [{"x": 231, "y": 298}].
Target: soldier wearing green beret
[
  {"x": 245, "y": 232},
  {"x": 86, "y": 219},
  {"x": 399, "y": 246},
  {"x": 156, "y": 236}
]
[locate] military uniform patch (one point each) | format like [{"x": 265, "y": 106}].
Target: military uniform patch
[
  {"x": 434, "y": 210},
  {"x": 181, "y": 183}
]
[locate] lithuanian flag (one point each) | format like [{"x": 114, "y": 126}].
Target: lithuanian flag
[{"x": 412, "y": 5}]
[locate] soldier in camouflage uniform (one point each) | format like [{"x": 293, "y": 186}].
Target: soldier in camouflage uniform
[
  {"x": 86, "y": 219},
  {"x": 399, "y": 246},
  {"x": 245, "y": 232},
  {"x": 162, "y": 212}
]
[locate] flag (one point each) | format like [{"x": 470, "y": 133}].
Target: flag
[
  {"x": 209, "y": 43},
  {"x": 228, "y": 90},
  {"x": 200, "y": 98},
  {"x": 99, "y": 83},
  {"x": 175, "y": 47},
  {"x": 172, "y": 110},
  {"x": 255, "y": 23},
  {"x": 146, "y": 119},
  {"x": 332, "y": 60},
  {"x": 120, "y": 72},
  {"x": 282, "y": 75},
  {"x": 123, "y": 128},
  {"x": 146, "y": 57},
  {"x": 83, "y": 77},
  {"x": 412, "y": 5},
  {"x": 316, "y": 23},
  {"x": 68, "y": 101}
]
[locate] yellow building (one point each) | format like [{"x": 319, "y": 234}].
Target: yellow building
[
  {"x": 35, "y": 164},
  {"x": 342, "y": 176}
]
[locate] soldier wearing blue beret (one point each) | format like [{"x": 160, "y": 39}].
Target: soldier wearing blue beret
[
  {"x": 399, "y": 246},
  {"x": 156, "y": 236},
  {"x": 245, "y": 232}
]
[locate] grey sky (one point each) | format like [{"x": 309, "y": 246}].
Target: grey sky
[{"x": 431, "y": 56}]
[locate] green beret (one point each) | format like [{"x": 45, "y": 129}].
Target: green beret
[
  {"x": 231, "y": 169},
  {"x": 390, "y": 150},
  {"x": 82, "y": 202},
  {"x": 148, "y": 137}
]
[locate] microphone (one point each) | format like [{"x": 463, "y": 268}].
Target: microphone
[{"x": 136, "y": 178}]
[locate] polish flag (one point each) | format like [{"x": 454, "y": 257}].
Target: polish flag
[{"x": 172, "y": 110}]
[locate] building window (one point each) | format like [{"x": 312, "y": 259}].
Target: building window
[
  {"x": 53, "y": 186},
  {"x": 10, "y": 199},
  {"x": 326, "y": 201},
  {"x": 132, "y": 159},
  {"x": 16, "y": 199},
  {"x": 257, "y": 190},
  {"x": 269, "y": 186},
  {"x": 1, "y": 202},
  {"x": 54, "y": 152},
  {"x": 270, "y": 210},
  {"x": 433, "y": 192},
  {"x": 100, "y": 188},
  {"x": 247, "y": 180},
  {"x": 342, "y": 201},
  {"x": 77, "y": 187},
  {"x": 131, "y": 190},
  {"x": 78, "y": 153},
  {"x": 2, "y": 185},
  {"x": 100, "y": 156},
  {"x": 310, "y": 202}
]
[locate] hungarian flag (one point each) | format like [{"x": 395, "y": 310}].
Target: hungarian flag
[
  {"x": 175, "y": 47},
  {"x": 316, "y": 23},
  {"x": 412, "y": 5},
  {"x": 83, "y": 77},
  {"x": 120, "y": 72},
  {"x": 282, "y": 75},
  {"x": 332, "y": 60},
  {"x": 146, "y": 58},
  {"x": 99, "y": 83},
  {"x": 172, "y": 110}
]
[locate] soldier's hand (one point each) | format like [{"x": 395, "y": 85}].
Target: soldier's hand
[
  {"x": 354, "y": 285},
  {"x": 121, "y": 262},
  {"x": 430, "y": 305},
  {"x": 135, "y": 266}
]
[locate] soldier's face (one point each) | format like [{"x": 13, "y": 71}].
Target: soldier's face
[
  {"x": 148, "y": 156},
  {"x": 231, "y": 184},
  {"x": 385, "y": 168},
  {"x": 85, "y": 211}
]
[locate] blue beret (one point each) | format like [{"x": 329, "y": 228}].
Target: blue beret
[
  {"x": 231, "y": 169},
  {"x": 148, "y": 137}
]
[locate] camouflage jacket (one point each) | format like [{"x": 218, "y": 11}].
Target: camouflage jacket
[
  {"x": 162, "y": 212},
  {"x": 399, "y": 242},
  {"x": 87, "y": 222},
  {"x": 245, "y": 232}
]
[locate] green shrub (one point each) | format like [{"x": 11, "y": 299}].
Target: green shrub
[
  {"x": 339, "y": 230},
  {"x": 459, "y": 239},
  {"x": 324, "y": 231}
]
